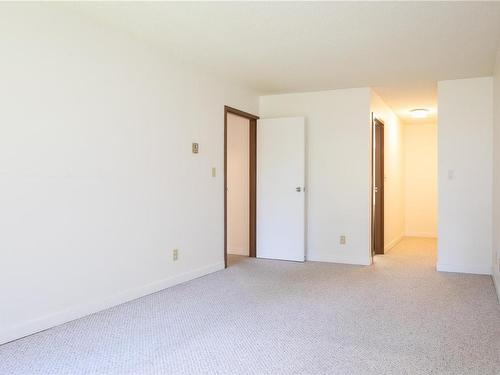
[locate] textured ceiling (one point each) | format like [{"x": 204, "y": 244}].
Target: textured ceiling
[{"x": 400, "y": 48}]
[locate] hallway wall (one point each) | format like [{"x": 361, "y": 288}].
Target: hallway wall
[
  {"x": 420, "y": 179},
  {"x": 394, "y": 213},
  {"x": 465, "y": 131},
  {"x": 496, "y": 176}
]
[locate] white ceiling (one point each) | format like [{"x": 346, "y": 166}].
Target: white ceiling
[
  {"x": 402, "y": 99},
  {"x": 400, "y": 48}
]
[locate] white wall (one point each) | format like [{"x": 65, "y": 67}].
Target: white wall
[
  {"x": 97, "y": 176},
  {"x": 238, "y": 192},
  {"x": 420, "y": 174},
  {"x": 394, "y": 210},
  {"x": 338, "y": 169},
  {"x": 465, "y": 167},
  {"x": 496, "y": 178}
]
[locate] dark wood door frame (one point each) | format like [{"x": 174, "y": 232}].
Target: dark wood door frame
[
  {"x": 252, "y": 180},
  {"x": 377, "y": 239}
]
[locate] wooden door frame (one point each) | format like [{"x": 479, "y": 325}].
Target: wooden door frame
[
  {"x": 375, "y": 122},
  {"x": 252, "y": 180}
]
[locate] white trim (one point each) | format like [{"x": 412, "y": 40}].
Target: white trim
[
  {"x": 475, "y": 269},
  {"x": 394, "y": 242},
  {"x": 343, "y": 260},
  {"x": 72, "y": 313}
]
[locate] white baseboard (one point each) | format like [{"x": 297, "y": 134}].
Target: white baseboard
[
  {"x": 343, "y": 260},
  {"x": 421, "y": 234},
  {"x": 475, "y": 269},
  {"x": 394, "y": 242},
  {"x": 72, "y": 313}
]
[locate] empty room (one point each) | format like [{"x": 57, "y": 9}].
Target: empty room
[{"x": 249, "y": 188}]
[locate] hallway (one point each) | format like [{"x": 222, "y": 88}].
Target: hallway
[{"x": 272, "y": 317}]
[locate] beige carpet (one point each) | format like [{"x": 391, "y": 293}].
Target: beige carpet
[{"x": 399, "y": 316}]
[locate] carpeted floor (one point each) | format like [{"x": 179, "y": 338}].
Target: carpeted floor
[{"x": 399, "y": 316}]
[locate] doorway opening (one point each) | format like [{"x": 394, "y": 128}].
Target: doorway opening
[
  {"x": 378, "y": 187},
  {"x": 404, "y": 186},
  {"x": 240, "y": 183}
]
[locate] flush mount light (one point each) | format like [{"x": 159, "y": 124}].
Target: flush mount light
[{"x": 419, "y": 113}]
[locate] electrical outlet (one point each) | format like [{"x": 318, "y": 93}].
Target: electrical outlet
[
  {"x": 175, "y": 254},
  {"x": 342, "y": 240}
]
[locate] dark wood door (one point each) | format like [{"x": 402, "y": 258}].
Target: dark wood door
[{"x": 378, "y": 188}]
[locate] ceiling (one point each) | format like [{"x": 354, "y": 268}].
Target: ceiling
[{"x": 400, "y": 48}]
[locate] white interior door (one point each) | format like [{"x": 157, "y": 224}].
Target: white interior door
[{"x": 280, "y": 188}]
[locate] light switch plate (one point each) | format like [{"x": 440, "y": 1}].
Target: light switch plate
[
  {"x": 195, "y": 148},
  {"x": 214, "y": 172}
]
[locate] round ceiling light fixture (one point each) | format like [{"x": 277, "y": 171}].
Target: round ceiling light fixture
[{"x": 419, "y": 113}]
